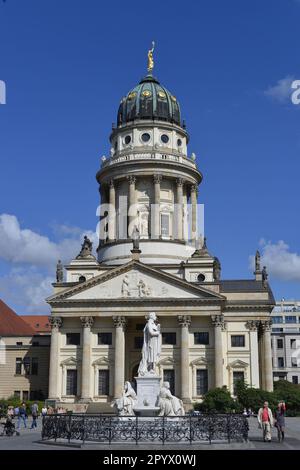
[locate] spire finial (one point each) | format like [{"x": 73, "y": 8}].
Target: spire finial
[{"x": 150, "y": 58}]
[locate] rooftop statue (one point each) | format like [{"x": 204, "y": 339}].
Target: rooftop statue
[
  {"x": 257, "y": 261},
  {"x": 136, "y": 238},
  {"x": 150, "y": 58},
  {"x": 86, "y": 248},
  {"x": 59, "y": 272}
]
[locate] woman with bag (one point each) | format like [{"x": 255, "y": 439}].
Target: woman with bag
[{"x": 280, "y": 420}]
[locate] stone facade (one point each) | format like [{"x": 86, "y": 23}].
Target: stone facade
[{"x": 214, "y": 332}]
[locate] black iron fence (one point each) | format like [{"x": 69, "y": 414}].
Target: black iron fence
[{"x": 113, "y": 429}]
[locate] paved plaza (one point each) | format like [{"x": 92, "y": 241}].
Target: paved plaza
[{"x": 30, "y": 440}]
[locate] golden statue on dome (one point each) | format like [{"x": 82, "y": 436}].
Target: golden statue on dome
[{"x": 150, "y": 58}]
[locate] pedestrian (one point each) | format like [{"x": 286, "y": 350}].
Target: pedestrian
[
  {"x": 22, "y": 415},
  {"x": 10, "y": 412},
  {"x": 34, "y": 414},
  {"x": 16, "y": 412},
  {"x": 265, "y": 421},
  {"x": 280, "y": 420},
  {"x": 44, "y": 411}
]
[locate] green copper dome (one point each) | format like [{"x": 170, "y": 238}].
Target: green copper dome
[{"x": 149, "y": 100}]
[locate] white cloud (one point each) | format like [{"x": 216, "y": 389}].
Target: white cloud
[
  {"x": 281, "y": 263},
  {"x": 32, "y": 259},
  {"x": 23, "y": 246},
  {"x": 281, "y": 92},
  {"x": 26, "y": 289}
]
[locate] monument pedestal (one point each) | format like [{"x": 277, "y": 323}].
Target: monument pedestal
[{"x": 148, "y": 388}]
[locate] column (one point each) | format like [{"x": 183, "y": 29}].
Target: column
[
  {"x": 55, "y": 323},
  {"x": 119, "y": 372},
  {"x": 267, "y": 350},
  {"x": 155, "y": 217},
  {"x": 131, "y": 203},
  {"x": 219, "y": 326},
  {"x": 87, "y": 323},
  {"x": 112, "y": 212},
  {"x": 179, "y": 207},
  {"x": 185, "y": 321},
  {"x": 103, "y": 217},
  {"x": 194, "y": 192},
  {"x": 252, "y": 325}
]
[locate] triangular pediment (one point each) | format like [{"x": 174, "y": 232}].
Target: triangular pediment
[
  {"x": 137, "y": 281},
  {"x": 238, "y": 364}
]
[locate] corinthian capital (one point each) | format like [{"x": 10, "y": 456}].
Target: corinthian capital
[
  {"x": 55, "y": 322},
  {"x": 266, "y": 325},
  {"x": 252, "y": 325},
  {"x": 179, "y": 181},
  {"x": 87, "y": 322},
  {"x": 131, "y": 179},
  {"x": 184, "y": 320},
  {"x": 157, "y": 178},
  {"x": 119, "y": 322},
  {"x": 218, "y": 321}
]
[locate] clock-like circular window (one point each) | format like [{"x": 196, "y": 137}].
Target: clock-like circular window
[
  {"x": 164, "y": 138},
  {"x": 145, "y": 137},
  {"x": 201, "y": 277},
  {"x": 127, "y": 139},
  {"x": 146, "y": 93}
]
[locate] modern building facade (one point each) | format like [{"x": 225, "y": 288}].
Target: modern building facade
[
  {"x": 24, "y": 355},
  {"x": 214, "y": 331},
  {"x": 286, "y": 341}
]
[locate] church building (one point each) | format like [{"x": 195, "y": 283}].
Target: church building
[{"x": 150, "y": 259}]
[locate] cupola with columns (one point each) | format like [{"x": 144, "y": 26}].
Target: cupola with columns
[{"x": 149, "y": 180}]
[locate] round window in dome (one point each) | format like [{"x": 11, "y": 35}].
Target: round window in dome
[
  {"x": 131, "y": 95},
  {"x": 164, "y": 138},
  {"x": 127, "y": 139},
  {"x": 179, "y": 142},
  {"x": 146, "y": 93},
  {"x": 145, "y": 137},
  {"x": 162, "y": 95},
  {"x": 201, "y": 277}
]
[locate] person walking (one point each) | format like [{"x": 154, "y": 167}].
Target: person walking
[
  {"x": 22, "y": 416},
  {"x": 265, "y": 420},
  {"x": 34, "y": 414},
  {"x": 44, "y": 411},
  {"x": 280, "y": 420}
]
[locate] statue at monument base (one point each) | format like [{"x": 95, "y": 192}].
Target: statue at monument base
[
  {"x": 125, "y": 404},
  {"x": 169, "y": 404}
]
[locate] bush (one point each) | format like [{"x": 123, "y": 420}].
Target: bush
[
  {"x": 15, "y": 401},
  {"x": 217, "y": 400},
  {"x": 254, "y": 398}
]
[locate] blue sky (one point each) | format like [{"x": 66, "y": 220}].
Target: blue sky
[{"x": 67, "y": 63}]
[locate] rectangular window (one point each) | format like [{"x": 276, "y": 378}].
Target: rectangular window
[
  {"x": 201, "y": 337},
  {"x": 168, "y": 338},
  {"x": 277, "y": 330},
  {"x": 295, "y": 379},
  {"x": 277, "y": 319},
  {"x": 103, "y": 383},
  {"x": 18, "y": 365},
  {"x": 290, "y": 319},
  {"x": 34, "y": 366},
  {"x": 26, "y": 364},
  {"x": 105, "y": 339},
  {"x": 280, "y": 344},
  {"x": 202, "y": 381},
  {"x": 19, "y": 343},
  {"x": 35, "y": 343},
  {"x": 169, "y": 376},
  {"x": 17, "y": 394},
  {"x": 293, "y": 343},
  {"x": 71, "y": 382},
  {"x": 165, "y": 225},
  {"x": 237, "y": 377},
  {"x": 280, "y": 361},
  {"x": 138, "y": 342},
  {"x": 73, "y": 339},
  {"x": 139, "y": 326},
  {"x": 238, "y": 341},
  {"x": 294, "y": 362},
  {"x": 25, "y": 395}
]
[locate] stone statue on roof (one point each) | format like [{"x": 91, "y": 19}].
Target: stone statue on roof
[
  {"x": 59, "y": 271},
  {"x": 86, "y": 248},
  {"x": 257, "y": 261}
]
